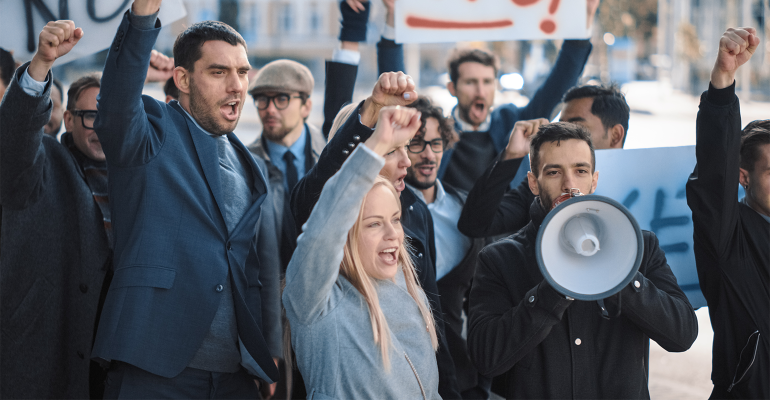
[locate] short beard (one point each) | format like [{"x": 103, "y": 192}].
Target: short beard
[
  {"x": 202, "y": 115},
  {"x": 277, "y": 135},
  {"x": 545, "y": 200},
  {"x": 414, "y": 182}
]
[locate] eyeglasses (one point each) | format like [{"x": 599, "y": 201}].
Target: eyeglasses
[
  {"x": 87, "y": 117},
  {"x": 417, "y": 145},
  {"x": 280, "y": 101}
]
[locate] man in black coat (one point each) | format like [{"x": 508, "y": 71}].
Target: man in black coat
[
  {"x": 731, "y": 237},
  {"x": 547, "y": 345},
  {"x": 54, "y": 249},
  {"x": 392, "y": 88}
]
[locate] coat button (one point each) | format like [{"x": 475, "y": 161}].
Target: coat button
[
  {"x": 578, "y": 341},
  {"x": 357, "y": 138},
  {"x": 419, "y": 255},
  {"x": 84, "y": 288},
  {"x": 345, "y": 152},
  {"x": 531, "y": 299},
  {"x": 637, "y": 284},
  {"x": 411, "y": 208},
  {"x": 229, "y": 246},
  {"x": 351, "y": 145},
  {"x": 219, "y": 288}
]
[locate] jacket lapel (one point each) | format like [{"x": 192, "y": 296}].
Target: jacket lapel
[{"x": 205, "y": 147}]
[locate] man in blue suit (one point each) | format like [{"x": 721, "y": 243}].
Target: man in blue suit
[{"x": 182, "y": 316}]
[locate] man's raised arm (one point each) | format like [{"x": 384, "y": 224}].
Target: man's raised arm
[
  {"x": 128, "y": 128},
  {"x": 712, "y": 189},
  {"x": 25, "y": 110}
]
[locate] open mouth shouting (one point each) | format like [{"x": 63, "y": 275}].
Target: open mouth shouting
[
  {"x": 478, "y": 110},
  {"x": 425, "y": 169},
  {"x": 399, "y": 183},
  {"x": 389, "y": 256},
  {"x": 230, "y": 110}
]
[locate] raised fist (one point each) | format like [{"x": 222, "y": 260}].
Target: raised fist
[{"x": 736, "y": 46}]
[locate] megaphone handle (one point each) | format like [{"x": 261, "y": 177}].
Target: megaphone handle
[{"x": 605, "y": 314}]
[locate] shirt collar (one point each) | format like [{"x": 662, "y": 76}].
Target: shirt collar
[
  {"x": 277, "y": 150},
  {"x": 466, "y": 127},
  {"x": 440, "y": 192}
]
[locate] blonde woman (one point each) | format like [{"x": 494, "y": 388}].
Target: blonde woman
[{"x": 360, "y": 323}]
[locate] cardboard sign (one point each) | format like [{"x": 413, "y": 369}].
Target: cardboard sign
[
  {"x": 22, "y": 20},
  {"x": 434, "y": 21},
  {"x": 651, "y": 184}
]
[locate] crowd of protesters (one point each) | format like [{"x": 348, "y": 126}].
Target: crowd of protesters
[{"x": 389, "y": 253}]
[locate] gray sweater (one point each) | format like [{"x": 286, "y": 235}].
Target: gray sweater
[{"x": 330, "y": 325}]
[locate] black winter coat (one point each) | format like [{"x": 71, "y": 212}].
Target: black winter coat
[
  {"x": 545, "y": 346},
  {"x": 732, "y": 254}
]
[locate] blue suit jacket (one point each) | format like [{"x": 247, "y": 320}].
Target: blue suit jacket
[{"x": 172, "y": 248}]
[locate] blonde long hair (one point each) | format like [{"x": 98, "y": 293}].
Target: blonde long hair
[{"x": 352, "y": 269}]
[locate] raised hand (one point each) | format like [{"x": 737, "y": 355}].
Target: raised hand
[
  {"x": 521, "y": 136},
  {"x": 55, "y": 40},
  {"x": 397, "y": 125},
  {"x": 391, "y": 89},
  {"x": 390, "y": 15},
  {"x": 736, "y": 46},
  {"x": 145, "y": 7},
  {"x": 161, "y": 67},
  {"x": 591, "y": 7},
  {"x": 357, "y": 5}
]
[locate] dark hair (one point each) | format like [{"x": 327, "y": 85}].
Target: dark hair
[
  {"x": 170, "y": 89},
  {"x": 61, "y": 89},
  {"x": 609, "y": 104},
  {"x": 187, "y": 47},
  {"x": 556, "y": 132},
  {"x": 79, "y": 86},
  {"x": 7, "y": 66},
  {"x": 460, "y": 56},
  {"x": 428, "y": 110},
  {"x": 754, "y": 135}
]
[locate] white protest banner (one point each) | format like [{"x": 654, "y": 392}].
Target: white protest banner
[
  {"x": 434, "y": 21},
  {"x": 22, "y": 20}
]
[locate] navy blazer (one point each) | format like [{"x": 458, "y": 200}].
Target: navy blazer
[{"x": 172, "y": 248}]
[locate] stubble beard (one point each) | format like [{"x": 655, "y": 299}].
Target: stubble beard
[{"x": 202, "y": 111}]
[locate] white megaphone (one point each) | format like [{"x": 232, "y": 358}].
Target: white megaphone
[{"x": 589, "y": 247}]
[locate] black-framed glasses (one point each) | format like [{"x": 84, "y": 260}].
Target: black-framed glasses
[
  {"x": 280, "y": 101},
  {"x": 417, "y": 145},
  {"x": 87, "y": 117}
]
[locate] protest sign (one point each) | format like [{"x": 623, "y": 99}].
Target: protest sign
[
  {"x": 22, "y": 20},
  {"x": 434, "y": 21}
]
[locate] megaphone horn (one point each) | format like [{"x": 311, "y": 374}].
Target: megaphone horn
[{"x": 589, "y": 247}]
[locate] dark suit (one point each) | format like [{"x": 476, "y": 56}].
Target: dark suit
[{"x": 173, "y": 252}]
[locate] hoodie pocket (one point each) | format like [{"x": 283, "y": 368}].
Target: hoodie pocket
[{"x": 746, "y": 360}]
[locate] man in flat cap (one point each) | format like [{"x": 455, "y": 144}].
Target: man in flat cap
[{"x": 287, "y": 149}]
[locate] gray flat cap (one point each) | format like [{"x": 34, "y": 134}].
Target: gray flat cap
[{"x": 283, "y": 76}]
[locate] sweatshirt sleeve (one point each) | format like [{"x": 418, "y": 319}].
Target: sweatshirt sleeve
[{"x": 314, "y": 267}]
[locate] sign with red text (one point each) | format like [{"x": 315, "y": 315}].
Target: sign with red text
[
  {"x": 22, "y": 20},
  {"x": 435, "y": 21}
]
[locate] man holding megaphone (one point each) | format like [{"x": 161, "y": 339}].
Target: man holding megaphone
[{"x": 548, "y": 343}]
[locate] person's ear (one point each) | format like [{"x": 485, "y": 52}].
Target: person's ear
[
  {"x": 450, "y": 86},
  {"x": 306, "y": 108},
  {"x": 744, "y": 178},
  {"x": 617, "y": 133},
  {"x": 69, "y": 121},
  {"x": 594, "y": 182},
  {"x": 182, "y": 80},
  {"x": 532, "y": 181}
]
